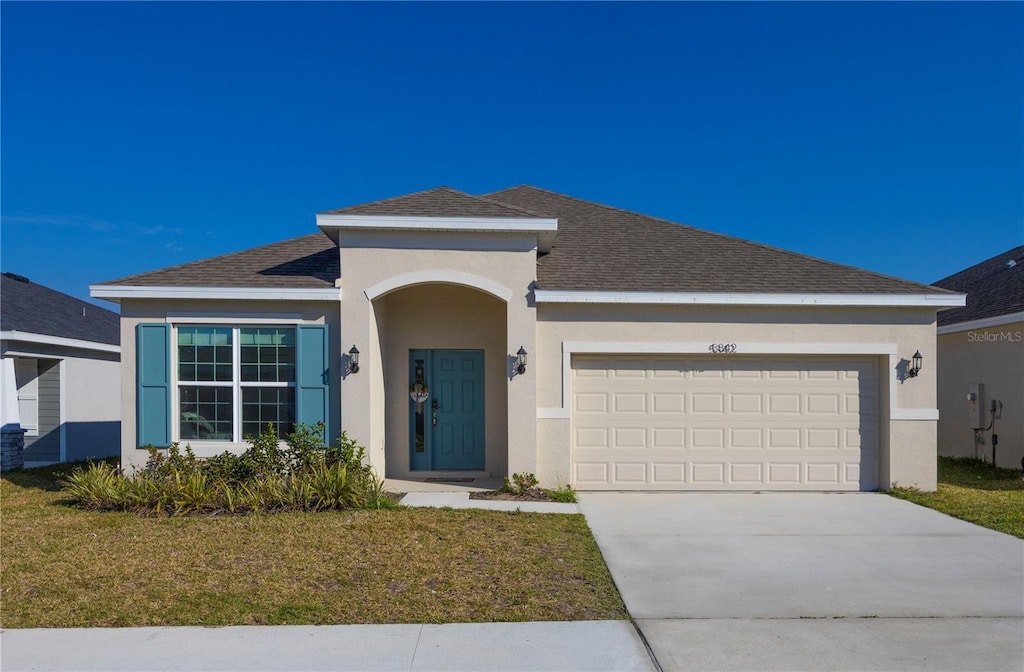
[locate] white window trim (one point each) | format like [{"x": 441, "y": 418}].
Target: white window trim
[
  {"x": 236, "y": 384},
  {"x": 888, "y": 350},
  {"x": 748, "y": 299},
  {"x": 30, "y": 391}
]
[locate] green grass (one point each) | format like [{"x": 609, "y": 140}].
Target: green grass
[
  {"x": 976, "y": 492},
  {"x": 65, "y": 567}
]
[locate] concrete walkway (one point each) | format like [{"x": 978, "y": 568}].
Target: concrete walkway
[
  {"x": 807, "y": 581},
  {"x": 584, "y": 645}
]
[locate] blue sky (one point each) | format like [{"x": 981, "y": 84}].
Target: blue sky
[{"x": 138, "y": 136}]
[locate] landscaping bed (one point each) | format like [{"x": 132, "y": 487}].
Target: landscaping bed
[
  {"x": 63, "y": 566},
  {"x": 976, "y": 492},
  {"x": 524, "y": 488}
]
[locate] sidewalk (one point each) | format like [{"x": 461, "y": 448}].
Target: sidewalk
[{"x": 558, "y": 645}]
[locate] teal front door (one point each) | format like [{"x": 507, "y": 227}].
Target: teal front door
[{"x": 448, "y": 427}]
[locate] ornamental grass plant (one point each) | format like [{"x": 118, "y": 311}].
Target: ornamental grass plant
[{"x": 299, "y": 474}]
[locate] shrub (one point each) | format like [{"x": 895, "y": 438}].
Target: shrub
[
  {"x": 302, "y": 475},
  {"x": 97, "y": 486},
  {"x": 520, "y": 483}
]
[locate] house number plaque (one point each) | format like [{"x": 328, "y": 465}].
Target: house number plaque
[{"x": 722, "y": 348}]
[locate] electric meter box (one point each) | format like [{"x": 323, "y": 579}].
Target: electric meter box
[{"x": 976, "y": 401}]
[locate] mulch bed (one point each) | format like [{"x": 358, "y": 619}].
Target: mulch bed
[{"x": 531, "y": 495}]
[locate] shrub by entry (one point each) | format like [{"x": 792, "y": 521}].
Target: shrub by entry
[{"x": 300, "y": 476}]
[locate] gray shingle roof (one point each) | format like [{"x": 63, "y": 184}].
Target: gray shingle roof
[
  {"x": 600, "y": 248},
  {"x": 439, "y": 202},
  {"x": 309, "y": 261},
  {"x": 993, "y": 288},
  {"x": 26, "y": 306},
  {"x": 597, "y": 248}
]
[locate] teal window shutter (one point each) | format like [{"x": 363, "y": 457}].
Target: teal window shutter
[
  {"x": 153, "y": 380},
  {"x": 313, "y": 377}
]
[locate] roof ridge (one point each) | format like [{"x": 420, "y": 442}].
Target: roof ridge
[
  {"x": 118, "y": 281},
  {"x": 443, "y": 187},
  {"x": 486, "y": 197},
  {"x": 389, "y": 198},
  {"x": 731, "y": 238}
]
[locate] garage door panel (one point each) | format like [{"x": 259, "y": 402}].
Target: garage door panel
[
  {"x": 746, "y": 403},
  {"x": 707, "y": 403},
  {"x": 710, "y": 423},
  {"x": 629, "y": 402},
  {"x": 668, "y": 402},
  {"x": 630, "y": 437}
]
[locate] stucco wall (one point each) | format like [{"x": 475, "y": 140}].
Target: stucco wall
[
  {"x": 907, "y": 446},
  {"x": 495, "y": 264},
  {"x": 92, "y": 406},
  {"x": 995, "y": 357},
  {"x": 134, "y": 312}
]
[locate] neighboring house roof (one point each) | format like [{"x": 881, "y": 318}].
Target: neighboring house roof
[
  {"x": 28, "y": 307},
  {"x": 597, "y": 248},
  {"x": 994, "y": 287}
]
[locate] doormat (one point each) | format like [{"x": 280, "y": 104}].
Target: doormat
[{"x": 449, "y": 480}]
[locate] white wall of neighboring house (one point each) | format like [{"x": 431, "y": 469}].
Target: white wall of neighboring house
[
  {"x": 994, "y": 357},
  {"x": 69, "y": 400}
]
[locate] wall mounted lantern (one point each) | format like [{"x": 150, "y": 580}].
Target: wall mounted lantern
[
  {"x": 521, "y": 361},
  {"x": 915, "y": 365},
  {"x": 353, "y": 360}
]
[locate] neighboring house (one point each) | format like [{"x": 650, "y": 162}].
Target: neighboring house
[
  {"x": 66, "y": 356},
  {"x": 983, "y": 343},
  {"x": 657, "y": 356}
]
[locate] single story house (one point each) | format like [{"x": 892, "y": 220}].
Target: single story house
[
  {"x": 67, "y": 372},
  {"x": 530, "y": 331},
  {"x": 981, "y": 354}
]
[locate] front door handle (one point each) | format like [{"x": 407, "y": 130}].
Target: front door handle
[{"x": 435, "y": 418}]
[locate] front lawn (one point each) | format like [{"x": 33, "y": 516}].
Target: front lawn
[
  {"x": 976, "y": 492},
  {"x": 64, "y": 567}
]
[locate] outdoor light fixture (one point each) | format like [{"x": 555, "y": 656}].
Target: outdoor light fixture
[
  {"x": 521, "y": 361},
  {"x": 915, "y": 365},
  {"x": 353, "y": 360}
]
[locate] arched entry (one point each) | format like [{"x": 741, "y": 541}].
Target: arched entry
[{"x": 450, "y": 339}]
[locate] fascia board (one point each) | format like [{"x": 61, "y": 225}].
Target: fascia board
[
  {"x": 749, "y": 299},
  {"x": 46, "y": 339},
  {"x": 490, "y": 224},
  {"x": 115, "y": 292},
  {"x": 984, "y": 323}
]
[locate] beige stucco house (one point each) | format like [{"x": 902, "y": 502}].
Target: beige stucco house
[
  {"x": 981, "y": 354},
  {"x": 529, "y": 331}
]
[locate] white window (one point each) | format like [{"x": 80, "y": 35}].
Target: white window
[
  {"x": 26, "y": 375},
  {"x": 233, "y": 381}
]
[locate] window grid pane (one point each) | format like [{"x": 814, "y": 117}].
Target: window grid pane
[
  {"x": 263, "y": 405},
  {"x": 205, "y": 412},
  {"x": 268, "y": 354},
  {"x": 204, "y": 354}
]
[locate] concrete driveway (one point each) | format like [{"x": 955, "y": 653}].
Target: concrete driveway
[{"x": 796, "y": 581}]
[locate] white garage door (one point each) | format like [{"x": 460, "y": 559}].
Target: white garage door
[{"x": 724, "y": 423}]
